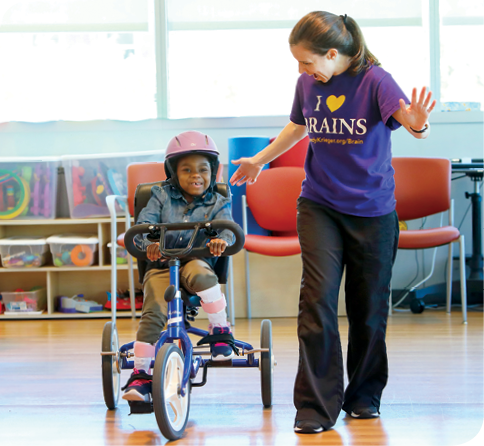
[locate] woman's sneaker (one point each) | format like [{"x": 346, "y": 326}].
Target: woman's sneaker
[
  {"x": 308, "y": 427},
  {"x": 365, "y": 412},
  {"x": 138, "y": 387},
  {"x": 221, "y": 351}
]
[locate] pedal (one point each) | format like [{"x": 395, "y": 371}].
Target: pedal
[
  {"x": 227, "y": 363},
  {"x": 140, "y": 407}
]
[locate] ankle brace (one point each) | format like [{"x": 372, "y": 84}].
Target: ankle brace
[
  {"x": 143, "y": 352},
  {"x": 212, "y": 300}
]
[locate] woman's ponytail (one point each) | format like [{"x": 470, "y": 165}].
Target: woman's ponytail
[{"x": 362, "y": 58}]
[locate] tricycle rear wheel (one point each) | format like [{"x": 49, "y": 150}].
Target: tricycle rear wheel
[
  {"x": 110, "y": 373},
  {"x": 266, "y": 363}
]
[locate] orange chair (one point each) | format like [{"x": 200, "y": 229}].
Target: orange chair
[
  {"x": 136, "y": 174},
  {"x": 422, "y": 188},
  {"x": 272, "y": 200}
]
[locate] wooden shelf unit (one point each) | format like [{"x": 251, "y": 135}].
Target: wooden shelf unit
[{"x": 91, "y": 281}]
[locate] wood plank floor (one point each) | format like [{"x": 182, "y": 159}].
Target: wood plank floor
[{"x": 51, "y": 391}]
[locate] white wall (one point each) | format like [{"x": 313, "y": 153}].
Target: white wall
[{"x": 454, "y": 135}]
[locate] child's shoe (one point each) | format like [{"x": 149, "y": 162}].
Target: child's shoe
[
  {"x": 220, "y": 350},
  {"x": 138, "y": 387}
]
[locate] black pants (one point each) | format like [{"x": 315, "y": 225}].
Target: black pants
[{"x": 367, "y": 246}]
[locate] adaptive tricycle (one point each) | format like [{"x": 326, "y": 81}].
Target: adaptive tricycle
[{"x": 177, "y": 361}]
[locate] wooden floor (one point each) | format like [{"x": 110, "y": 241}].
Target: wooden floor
[{"x": 50, "y": 391}]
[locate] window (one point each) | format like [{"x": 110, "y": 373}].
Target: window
[
  {"x": 76, "y": 60},
  {"x": 461, "y": 64},
  {"x": 233, "y": 58},
  {"x": 144, "y": 59}
]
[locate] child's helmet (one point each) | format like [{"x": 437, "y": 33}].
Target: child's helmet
[{"x": 188, "y": 143}]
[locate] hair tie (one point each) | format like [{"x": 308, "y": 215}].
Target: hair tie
[{"x": 344, "y": 19}]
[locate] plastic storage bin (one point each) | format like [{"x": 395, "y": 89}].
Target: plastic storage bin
[
  {"x": 74, "y": 250},
  {"x": 28, "y": 188},
  {"x": 90, "y": 178},
  {"x": 121, "y": 255},
  {"x": 25, "y": 301},
  {"x": 22, "y": 252}
]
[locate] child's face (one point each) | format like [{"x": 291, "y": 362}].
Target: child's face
[{"x": 194, "y": 173}]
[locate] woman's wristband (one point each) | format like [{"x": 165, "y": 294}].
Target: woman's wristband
[{"x": 420, "y": 131}]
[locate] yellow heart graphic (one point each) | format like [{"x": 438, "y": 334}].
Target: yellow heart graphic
[{"x": 334, "y": 103}]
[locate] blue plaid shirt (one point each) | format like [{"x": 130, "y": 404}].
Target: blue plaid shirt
[{"x": 168, "y": 205}]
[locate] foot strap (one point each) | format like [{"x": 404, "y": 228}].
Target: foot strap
[
  {"x": 140, "y": 407},
  {"x": 226, "y": 338},
  {"x": 133, "y": 378}
]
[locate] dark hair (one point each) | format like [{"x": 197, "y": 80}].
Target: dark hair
[{"x": 319, "y": 31}]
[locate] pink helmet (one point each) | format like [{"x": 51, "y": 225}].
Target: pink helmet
[{"x": 187, "y": 143}]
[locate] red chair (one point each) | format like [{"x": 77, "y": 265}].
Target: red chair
[
  {"x": 272, "y": 200},
  {"x": 296, "y": 156},
  {"x": 136, "y": 174},
  {"x": 422, "y": 188}
]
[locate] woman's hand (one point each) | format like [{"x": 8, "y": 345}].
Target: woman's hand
[
  {"x": 153, "y": 252},
  {"x": 217, "y": 246},
  {"x": 417, "y": 113},
  {"x": 247, "y": 172}
]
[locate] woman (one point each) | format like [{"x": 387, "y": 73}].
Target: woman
[{"x": 346, "y": 212}]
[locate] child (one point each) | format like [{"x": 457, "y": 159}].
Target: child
[{"x": 191, "y": 165}]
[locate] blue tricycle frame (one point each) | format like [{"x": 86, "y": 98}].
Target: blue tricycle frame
[{"x": 177, "y": 362}]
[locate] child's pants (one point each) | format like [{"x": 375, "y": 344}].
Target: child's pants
[{"x": 195, "y": 276}]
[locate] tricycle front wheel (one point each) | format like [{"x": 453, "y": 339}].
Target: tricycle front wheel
[{"x": 171, "y": 409}]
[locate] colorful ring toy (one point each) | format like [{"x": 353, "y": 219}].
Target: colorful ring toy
[
  {"x": 7, "y": 175},
  {"x": 82, "y": 255}
]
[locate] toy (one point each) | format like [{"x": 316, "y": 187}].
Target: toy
[
  {"x": 77, "y": 187},
  {"x": 122, "y": 300},
  {"x": 26, "y": 174},
  {"x": 20, "y": 252},
  {"x": 77, "y": 304},
  {"x": 21, "y": 301},
  {"x": 41, "y": 199},
  {"x": 118, "y": 184},
  {"x": 89, "y": 202},
  {"x": 177, "y": 361},
  {"x": 82, "y": 255},
  {"x": 100, "y": 186},
  {"x": 22, "y": 259},
  {"x": 73, "y": 249},
  {"x": 35, "y": 207},
  {"x": 25, "y": 186},
  {"x": 14, "y": 185},
  {"x": 88, "y": 306},
  {"x": 47, "y": 209},
  {"x": 121, "y": 255},
  {"x": 68, "y": 304},
  {"x": 79, "y": 255}
]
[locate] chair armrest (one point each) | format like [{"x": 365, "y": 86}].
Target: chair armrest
[
  {"x": 111, "y": 203},
  {"x": 244, "y": 214}
]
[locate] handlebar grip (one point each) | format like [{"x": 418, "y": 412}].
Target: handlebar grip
[
  {"x": 195, "y": 252},
  {"x": 129, "y": 240}
]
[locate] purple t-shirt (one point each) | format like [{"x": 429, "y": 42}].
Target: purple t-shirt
[{"x": 349, "y": 122}]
